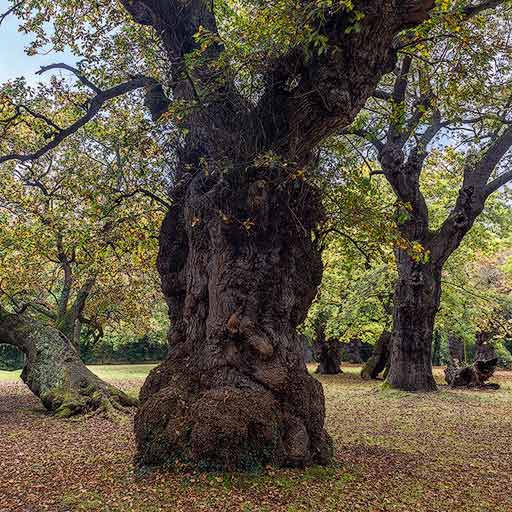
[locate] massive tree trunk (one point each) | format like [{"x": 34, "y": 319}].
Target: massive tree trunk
[
  {"x": 416, "y": 301},
  {"x": 379, "y": 360},
  {"x": 53, "y": 370},
  {"x": 238, "y": 265},
  {"x": 235, "y": 379}
]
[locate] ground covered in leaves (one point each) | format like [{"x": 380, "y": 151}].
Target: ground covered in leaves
[{"x": 450, "y": 451}]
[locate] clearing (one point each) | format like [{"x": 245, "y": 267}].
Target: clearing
[{"x": 394, "y": 451}]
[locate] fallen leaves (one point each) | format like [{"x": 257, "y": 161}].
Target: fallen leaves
[{"x": 395, "y": 452}]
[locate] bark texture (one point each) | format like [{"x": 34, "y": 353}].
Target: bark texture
[
  {"x": 235, "y": 379},
  {"x": 238, "y": 264},
  {"x": 379, "y": 360},
  {"x": 54, "y": 372},
  {"x": 417, "y": 296}
]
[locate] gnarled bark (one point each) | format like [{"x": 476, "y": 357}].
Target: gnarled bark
[
  {"x": 238, "y": 266},
  {"x": 380, "y": 357},
  {"x": 53, "y": 370},
  {"x": 234, "y": 391}
]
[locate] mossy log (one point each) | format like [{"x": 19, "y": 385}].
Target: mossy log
[{"x": 54, "y": 371}]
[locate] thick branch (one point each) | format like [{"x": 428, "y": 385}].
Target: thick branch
[
  {"x": 498, "y": 182},
  {"x": 10, "y": 11},
  {"x": 82, "y": 296},
  {"x": 472, "y": 196}
]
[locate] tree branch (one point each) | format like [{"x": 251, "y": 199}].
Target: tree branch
[
  {"x": 95, "y": 105},
  {"x": 73, "y": 70},
  {"x": 498, "y": 182},
  {"x": 10, "y": 11}
]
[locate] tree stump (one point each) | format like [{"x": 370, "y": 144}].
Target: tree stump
[{"x": 477, "y": 375}]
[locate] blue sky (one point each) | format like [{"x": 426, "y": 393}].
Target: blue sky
[{"x": 13, "y": 61}]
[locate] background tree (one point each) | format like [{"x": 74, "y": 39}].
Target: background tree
[
  {"x": 73, "y": 253},
  {"x": 432, "y": 92}
]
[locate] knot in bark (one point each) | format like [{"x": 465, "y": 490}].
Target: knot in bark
[
  {"x": 261, "y": 346},
  {"x": 417, "y": 279}
]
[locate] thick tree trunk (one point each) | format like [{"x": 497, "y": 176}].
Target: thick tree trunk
[
  {"x": 239, "y": 271},
  {"x": 380, "y": 357},
  {"x": 53, "y": 370},
  {"x": 416, "y": 302},
  {"x": 237, "y": 262}
]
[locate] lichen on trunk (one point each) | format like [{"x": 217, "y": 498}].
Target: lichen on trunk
[{"x": 54, "y": 372}]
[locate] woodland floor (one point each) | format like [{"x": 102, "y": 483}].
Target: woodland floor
[{"x": 450, "y": 451}]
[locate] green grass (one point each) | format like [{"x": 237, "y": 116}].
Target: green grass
[{"x": 109, "y": 372}]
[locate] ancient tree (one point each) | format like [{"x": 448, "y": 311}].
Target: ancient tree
[{"x": 238, "y": 259}]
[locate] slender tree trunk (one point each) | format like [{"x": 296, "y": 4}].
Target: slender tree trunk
[
  {"x": 53, "y": 370},
  {"x": 234, "y": 391},
  {"x": 380, "y": 357},
  {"x": 416, "y": 301}
]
